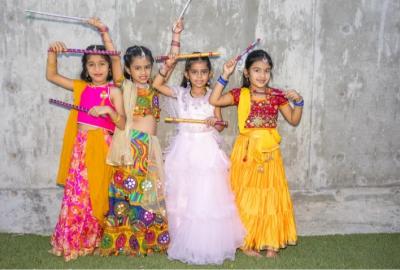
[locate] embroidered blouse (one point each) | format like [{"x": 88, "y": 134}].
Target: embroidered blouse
[
  {"x": 263, "y": 112},
  {"x": 147, "y": 103}
]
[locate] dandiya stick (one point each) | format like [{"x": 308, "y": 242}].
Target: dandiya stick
[
  {"x": 83, "y": 51},
  {"x": 189, "y": 55},
  {"x": 250, "y": 47},
  {"x": 193, "y": 121},
  {"x": 182, "y": 13},
  {"x": 70, "y": 106},
  {"x": 57, "y": 15}
]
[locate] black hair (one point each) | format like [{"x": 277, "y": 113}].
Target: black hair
[
  {"x": 84, "y": 74},
  {"x": 136, "y": 51},
  {"x": 188, "y": 65},
  {"x": 253, "y": 57}
]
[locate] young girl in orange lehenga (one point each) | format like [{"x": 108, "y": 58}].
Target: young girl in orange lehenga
[{"x": 83, "y": 170}]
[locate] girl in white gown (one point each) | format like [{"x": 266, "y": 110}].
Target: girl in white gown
[{"x": 203, "y": 221}]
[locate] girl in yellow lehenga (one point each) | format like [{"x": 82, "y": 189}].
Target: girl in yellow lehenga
[{"x": 257, "y": 173}]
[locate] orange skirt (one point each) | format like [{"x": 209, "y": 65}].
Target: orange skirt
[{"x": 261, "y": 191}]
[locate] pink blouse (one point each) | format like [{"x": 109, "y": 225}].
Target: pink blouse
[{"x": 96, "y": 96}]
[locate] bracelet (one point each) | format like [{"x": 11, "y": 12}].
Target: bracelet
[
  {"x": 175, "y": 43},
  {"x": 299, "y": 104},
  {"x": 162, "y": 75},
  {"x": 118, "y": 82},
  {"x": 117, "y": 120},
  {"x": 222, "y": 81},
  {"x": 103, "y": 30}
]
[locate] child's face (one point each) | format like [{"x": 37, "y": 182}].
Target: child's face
[
  {"x": 198, "y": 74},
  {"x": 140, "y": 70},
  {"x": 98, "y": 69},
  {"x": 259, "y": 74}
]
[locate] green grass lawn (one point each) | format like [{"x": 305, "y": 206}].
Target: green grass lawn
[{"x": 334, "y": 251}]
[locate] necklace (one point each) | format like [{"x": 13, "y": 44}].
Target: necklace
[
  {"x": 142, "y": 86},
  {"x": 191, "y": 94},
  {"x": 98, "y": 85},
  {"x": 264, "y": 92}
]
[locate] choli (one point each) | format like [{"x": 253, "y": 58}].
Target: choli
[
  {"x": 96, "y": 96},
  {"x": 263, "y": 111},
  {"x": 147, "y": 103}
]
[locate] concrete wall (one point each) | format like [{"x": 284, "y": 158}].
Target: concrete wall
[{"x": 342, "y": 161}]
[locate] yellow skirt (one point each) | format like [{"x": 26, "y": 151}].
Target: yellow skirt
[{"x": 261, "y": 191}]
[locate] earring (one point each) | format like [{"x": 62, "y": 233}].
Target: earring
[{"x": 188, "y": 85}]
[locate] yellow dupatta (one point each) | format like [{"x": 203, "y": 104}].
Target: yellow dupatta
[
  {"x": 70, "y": 132},
  {"x": 262, "y": 141}
]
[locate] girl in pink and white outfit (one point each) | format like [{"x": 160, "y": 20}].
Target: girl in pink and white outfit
[{"x": 203, "y": 221}]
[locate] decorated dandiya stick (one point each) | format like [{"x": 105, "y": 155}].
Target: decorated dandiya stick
[
  {"x": 83, "y": 51},
  {"x": 188, "y": 55},
  {"x": 68, "y": 106},
  {"x": 182, "y": 13},
  {"x": 248, "y": 49},
  {"x": 57, "y": 15},
  {"x": 193, "y": 121}
]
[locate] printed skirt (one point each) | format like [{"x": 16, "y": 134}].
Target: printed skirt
[
  {"x": 130, "y": 227},
  {"x": 77, "y": 232}
]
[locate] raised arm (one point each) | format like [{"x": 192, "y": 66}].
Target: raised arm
[
  {"x": 217, "y": 98},
  {"x": 176, "y": 37},
  {"x": 52, "y": 74},
  {"x": 293, "y": 115},
  {"x": 117, "y": 71},
  {"x": 161, "y": 78},
  {"x": 166, "y": 70}
]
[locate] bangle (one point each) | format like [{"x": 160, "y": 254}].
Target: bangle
[
  {"x": 118, "y": 82},
  {"x": 117, "y": 120},
  {"x": 175, "y": 43},
  {"x": 162, "y": 75},
  {"x": 103, "y": 29},
  {"x": 222, "y": 81},
  {"x": 299, "y": 104}
]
